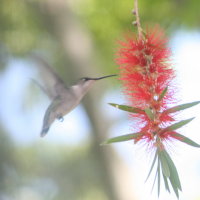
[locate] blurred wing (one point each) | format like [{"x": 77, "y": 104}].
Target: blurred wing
[
  {"x": 52, "y": 83},
  {"x": 40, "y": 86}
]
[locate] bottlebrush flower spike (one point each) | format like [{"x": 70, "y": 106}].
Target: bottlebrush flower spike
[{"x": 146, "y": 74}]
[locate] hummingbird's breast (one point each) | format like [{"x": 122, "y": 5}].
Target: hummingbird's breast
[{"x": 69, "y": 100}]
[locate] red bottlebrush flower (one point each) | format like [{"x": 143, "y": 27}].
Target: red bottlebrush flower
[
  {"x": 145, "y": 72},
  {"x": 146, "y": 76}
]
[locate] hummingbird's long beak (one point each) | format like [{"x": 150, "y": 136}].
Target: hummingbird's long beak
[{"x": 102, "y": 77}]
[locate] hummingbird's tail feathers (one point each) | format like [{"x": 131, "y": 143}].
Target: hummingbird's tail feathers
[{"x": 44, "y": 131}]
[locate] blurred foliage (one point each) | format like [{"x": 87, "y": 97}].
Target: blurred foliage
[
  {"x": 20, "y": 25},
  {"x": 109, "y": 20},
  {"x": 24, "y": 27},
  {"x": 48, "y": 172},
  {"x": 6, "y": 161}
]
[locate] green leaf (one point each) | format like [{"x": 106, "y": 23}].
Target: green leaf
[
  {"x": 174, "y": 187},
  {"x": 164, "y": 165},
  {"x": 158, "y": 178},
  {"x": 186, "y": 140},
  {"x": 174, "y": 177},
  {"x": 152, "y": 165},
  {"x": 177, "y": 125},
  {"x": 163, "y": 94},
  {"x": 149, "y": 113},
  {"x": 127, "y": 108},
  {"x": 154, "y": 181},
  {"x": 181, "y": 107},
  {"x": 122, "y": 138},
  {"x": 166, "y": 182}
]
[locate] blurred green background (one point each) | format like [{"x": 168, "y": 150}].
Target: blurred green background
[{"x": 79, "y": 38}]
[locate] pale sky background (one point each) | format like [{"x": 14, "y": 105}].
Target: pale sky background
[{"x": 24, "y": 123}]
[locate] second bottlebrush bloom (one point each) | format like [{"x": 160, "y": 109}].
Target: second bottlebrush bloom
[{"x": 147, "y": 75}]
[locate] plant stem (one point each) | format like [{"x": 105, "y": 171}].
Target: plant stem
[{"x": 136, "y": 13}]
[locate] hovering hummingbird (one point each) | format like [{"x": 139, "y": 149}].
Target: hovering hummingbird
[{"x": 64, "y": 99}]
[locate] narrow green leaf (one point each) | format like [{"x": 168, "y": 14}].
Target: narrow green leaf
[
  {"x": 177, "y": 125},
  {"x": 164, "y": 165},
  {"x": 154, "y": 181},
  {"x": 122, "y": 138},
  {"x": 152, "y": 165},
  {"x": 181, "y": 107},
  {"x": 173, "y": 171},
  {"x": 174, "y": 187},
  {"x": 158, "y": 178},
  {"x": 166, "y": 182},
  {"x": 163, "y": 94},
  {"x": 149, "y": 113},
  {"x": 186, "y": 140},
  {"x": 174, "y": 178},
  {"x": 127, "y": 108}
]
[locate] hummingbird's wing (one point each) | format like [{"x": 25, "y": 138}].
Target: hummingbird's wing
[
  {"x": 40, "y": 86},
  {"x": 53, "y": 84},
  {"x": 50, "y": 115}
]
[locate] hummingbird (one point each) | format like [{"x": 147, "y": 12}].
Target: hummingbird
[{"x": 63, "y": 98}]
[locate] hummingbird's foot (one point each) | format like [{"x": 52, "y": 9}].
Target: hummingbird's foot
[{"x": 60, "y": 118}]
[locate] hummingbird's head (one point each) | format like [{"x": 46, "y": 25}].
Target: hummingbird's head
[{"x": 85, "y": 83}]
